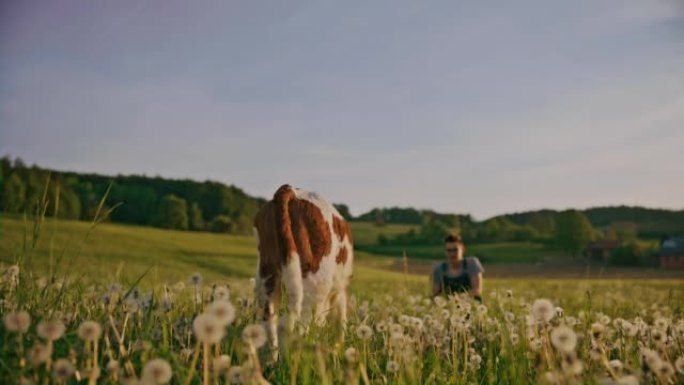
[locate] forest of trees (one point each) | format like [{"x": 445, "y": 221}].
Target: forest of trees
[{"x": 141, "y": 200}]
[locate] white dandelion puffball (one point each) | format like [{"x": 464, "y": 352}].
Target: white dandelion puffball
[
  {"x": 351, "y": 355},
  {"x": 564, "y": 339},
  {"x": 62, "y": 370},
  {"x": 543, "y": 310},
  {"x": 90, "y": 331},
  {"x": 628, "y": 380},
  {"x": 221, "y": 293},
  {"x": 224, "y": 311},
  {"x": 207, "y": 328},
  {"x": 364, "y": 332},
  {"x": 195, "y": 279},
  {"x": 156, "y": 372},
  {"x": 19, "y": 321},
  {"x": 221, "y": 364},
  {"x": 50, "y": 330},
  {"x": 254, "y": 335},
  {"x": 39, "y": 354},
  {"x": 392, "y": 366},
  {"x": 235, "y": 375}
]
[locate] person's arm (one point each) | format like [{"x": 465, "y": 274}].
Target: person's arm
[
  {"x": 476, "y": 280},
  {"x": 436, "y": 283},
  {"x": 476, "y": 283}
]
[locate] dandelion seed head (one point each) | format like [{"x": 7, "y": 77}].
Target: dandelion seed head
[
  {"x": 130, "y": 305},
  {"x": 51, "y": 330},
  {"x": 89, "y": 331},
  {"x": 665, "y": 370},
  {"x": 679, "y": 364},
  {"x": 542, "y": 310},
  {"x": 156, "y": 371},
  {"x": 364, "y": 332},
  {"x": 207, "y": 328},
  {"x": 392, "y": 366},
  {"x": 223, "y": 310},
  {"x": 597, "y": 330},
  {"x": 17, "y": 322},
  {"x": 564, "y": 339},
  {"x": 509, "y": 317},
  {"x": 254, "y": 335},
  {"x": 62, "y": 370},
  {"x": 39, "y": 354},
  {"x": 221, "y": 364},
  {"x": 113, "y": 366},
  {"x": 628, "y": 380},
  {"x": 616, "y": 366},
  {"x": 221, "y": 293},
  {"x": 195, "y": 279},
  {"x": 235, "y": 375},
  {"x": 351, "y": 355}
]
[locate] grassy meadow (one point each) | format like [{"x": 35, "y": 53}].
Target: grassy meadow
[{"x": 134, "y": 305}]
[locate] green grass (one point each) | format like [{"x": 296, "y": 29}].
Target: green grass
[
  {"x": 462, "y": 328},
  {"x": 521, "y": 252},
  {"x": 366, "y": 233}
]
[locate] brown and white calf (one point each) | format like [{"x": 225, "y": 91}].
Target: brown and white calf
[{"x": 305, "y": 245}]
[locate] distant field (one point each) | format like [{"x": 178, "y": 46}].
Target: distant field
[
  {"x": 366, "y": 233},
  {"x": 522, "y": 252},
  {"x": 123, "y": 252}
]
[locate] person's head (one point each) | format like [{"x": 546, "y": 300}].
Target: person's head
[{"x": 454, "y": 247}]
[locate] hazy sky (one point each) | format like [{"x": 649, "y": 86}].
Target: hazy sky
[{"x": 480, "y": 107}]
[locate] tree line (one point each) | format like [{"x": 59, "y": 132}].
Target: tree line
[{"x": 140, "y": 200}]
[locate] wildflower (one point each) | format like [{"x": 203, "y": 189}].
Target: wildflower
[
  {"x": 351, "y": 355},
  {"x": 679, "y": 364},
  {"x": 572, "y": 365},
  {"x": 18, "y": 321},
  {"x": 235, "y": 375},
  {"x": 156, "y": 371},
  {"x": 509, "y": 293},
  {"x": 509, "y": 317},
  {"x": 440, "y": 301},
  {"x": 616, "y": 366},
  {"x": 417, "y": 323},
  {"x": 597, "y": 330},
  {"x": 207, "y": 328},
  {"x": 223, "y": 310},
  {"x": 661, "y": 323},
  {"x": 475, "y": 359},
  {"x": 481, "y": 309},
  {"x": 221, "y": 293},
  {"x": 62, "y": 370},
  {"x": 542, "y": 310},
  {"x": 658, "y": 335},
  {"x": 381, "y": 326},
  {"x": 254, "y": 335},
  {"x": 515, "y": 338},
  {"x": 113, "y": 366},
  {"x": 564, "y": 339},
  {"x": 396, "y": 329},
  {"x": 392, "y": 366},
  {"x": 404, "y": 319},
  {"x": 629, "y": 329},
  {"x": 90, "y": 331},
  {"x": 131, "y": 305},
  {"x": 628, "y": 380},
  {"x": 364, "y": 332},
  {"x": 665, "y": 371},
  {"x": 50, "y": 330},
  {"x": 651, "y": 359},
  {"x": 604, "y": 319},
  {"x": 195, "y": 279},
  {"x": 398, "y": 340},
  {"x": 39, "y": 354},
  {"x": 559, "y": 311},
  {"x": 221, "y": 364}
]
